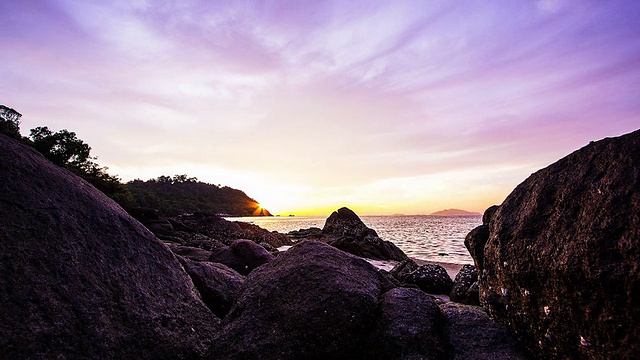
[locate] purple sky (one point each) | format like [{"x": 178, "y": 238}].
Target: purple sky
[{"x": 385, "y": 107}]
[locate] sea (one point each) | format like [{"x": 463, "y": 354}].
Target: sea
[{"x": 437, "y": 238}]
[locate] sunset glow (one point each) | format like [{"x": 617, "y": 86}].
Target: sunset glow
[{"x": 385, "y": 107}]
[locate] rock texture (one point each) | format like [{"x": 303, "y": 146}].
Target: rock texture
[
  {"x": 344, "y": 230},
  {"x": 431, "y": 278},
  {"x": 464, "y": 291},
  {"x": 561, "y": 262},
  {"x": 312, "y": 302},
  {"x": 410, "y": 326},
  {"x": 80, "y": 278},
  {"x": 242, "y": 256},
  {"x": 472, "y": 335},
  {"x": 218, "y": 284}
]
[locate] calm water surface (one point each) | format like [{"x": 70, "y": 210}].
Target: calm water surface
[{"x": 426, "y": 237}]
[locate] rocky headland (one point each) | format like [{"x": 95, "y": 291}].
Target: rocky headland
[{"x": 556, "y": 275}]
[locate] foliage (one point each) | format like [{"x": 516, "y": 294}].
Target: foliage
[
  {"x": 9, "y": 122},
  {"x": 170, "y": 195},
  {"x": 182, "y": 194},
  {"x": 64, "y": 149}
]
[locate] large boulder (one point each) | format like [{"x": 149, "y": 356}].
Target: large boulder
[
  {"x": 344, "y": 230},
  {"x": 312, "y": 302},
  {"x": 218, "y": 284},
  {"x": 561, "y": 260},
  {"x": 410, "y": 326},
  {"x": 465, "y": 286},
  {"x": 472, "y": 335},
  {"x": 80, "y": 278},
  {"x": 431, "y": 278},
  {"x": 242, "y": 256}
]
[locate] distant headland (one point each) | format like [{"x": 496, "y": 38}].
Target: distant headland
[{"x": 454, "y": 212}]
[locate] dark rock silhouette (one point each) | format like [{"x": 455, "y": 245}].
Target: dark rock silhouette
[
  {"x": 431, "y": 278},
  {"x": 475, "y": 241},
  {"x": 344, "y": 230},
  {"x": 80, "y": 278},
  {"x": 404, "y": 268},
  {"x": 489, "y": 214},
  {"x": 242, "y": 256},
  {"x": 472, "y": 335},
  {"x": 191, "y": 253},
  {"x": 561, "y": 258},
  {"x": 218, "y": 284},
  {"x": 312, "y": 302},
  {"x": 207, "y": 231},
  {"x": 410, "y": 325},
  {"x": 463, "y": 290}
]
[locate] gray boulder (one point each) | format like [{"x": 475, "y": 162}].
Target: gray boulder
[
  {"x": 561, "y": 260},
  {"x": 218, "y": 284},
  {"x": 472, "y": 335},
  {"x": 311, "y": 302},
  {"x": 345, "y": 231},
  {"x": 410, "y": 326},
  {"x": 464, "y": 290},
  {"x": 80, "y": 278},
  {"x": 431, "y": 278},
  {"x": 242, "y": 256}
]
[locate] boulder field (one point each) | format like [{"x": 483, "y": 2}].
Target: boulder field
[
  {"x": 81, "y": 279},
  {"x": 559, "y": 260}
]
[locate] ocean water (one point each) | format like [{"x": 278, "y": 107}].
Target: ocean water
[{"x": 425, "y": 237}]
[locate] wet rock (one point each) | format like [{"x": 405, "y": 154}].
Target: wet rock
[
  {"x": 410, "y": 326},
  {"x": 190, "y": 253},
  {"x": 489, "y": 214},
  {"x": 431, "y": 278},
  {"x": 80, "y": 278},
  {"x": 242, "y": 256},
  {"x": 311, "y": 302},
  {"x": 218, "y": 284},
  {"x": 404, "y": 268},
  {"x": 345, "y": 231},
  {"x": 561, "y": 262},
  {"x": 312, "y": 234},
  {"x": 475, "y": 242},
  {"x": 473, "y": 335},
  {"x": 462, "y": 291}
]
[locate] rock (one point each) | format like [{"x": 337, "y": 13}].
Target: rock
[
  {"x": 410, "y": 326},
  {"x": 344, "y": 222},
  {"x": 460, "y": 293},
  {"x": 344, "y": 230},
  {"x": 403, "y": 269},
  {"x": 218, "y": 284},
  {"x": 561, "y": 262},
  {"x": 228, "y": 231},
  {"x": 475, "y": 242},
  {"x": 313, "y": 234},
  {"x": 473, "y": 335},
  {"x": 242, "y": 256},
  {"x": 431, "y": 278},
  {"x": 311, "y": 302},
  {"x": 489, "y": 214},
  {"x": 80, "y": 278},
  {"x": 190, "y": 253}
]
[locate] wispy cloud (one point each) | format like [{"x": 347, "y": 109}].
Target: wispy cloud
[{"x": 328, "y": 95}]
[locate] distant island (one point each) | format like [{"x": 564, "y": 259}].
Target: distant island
[{"x": 454, "y": 212}]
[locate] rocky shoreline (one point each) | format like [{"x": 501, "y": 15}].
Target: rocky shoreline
[{"x": 81, "y": 278}]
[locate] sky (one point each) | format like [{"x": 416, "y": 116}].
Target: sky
[{"x": 386, "y": 107}]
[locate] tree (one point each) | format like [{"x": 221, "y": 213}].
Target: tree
[{"x": 63, "y": 147}]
